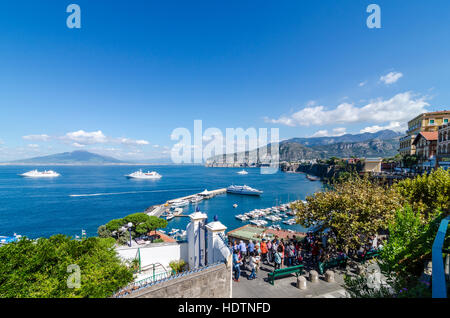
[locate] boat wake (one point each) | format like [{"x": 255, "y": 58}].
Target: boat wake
[{"x": 129, "y": 192}]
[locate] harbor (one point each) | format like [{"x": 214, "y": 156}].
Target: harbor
[{"x": 175, "y": 208}]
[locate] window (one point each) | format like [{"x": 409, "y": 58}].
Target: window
[
  {"x": 431, "y": 121},
  {"x": 445, "y": 120}
]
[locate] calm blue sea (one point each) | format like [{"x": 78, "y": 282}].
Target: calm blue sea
[{"x": 43, "y": 207}]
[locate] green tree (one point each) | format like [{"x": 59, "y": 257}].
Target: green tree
[
  {"x": 38, "y": 268},
  {"x": 410, "y": 242},
  {"x": 427, "y": 193},
  {"x": 142, "y": 224},
  {"x": 115, "y": 224},
  {"x": 102, "y": 231},
  {"x": 354, "y": 209}
]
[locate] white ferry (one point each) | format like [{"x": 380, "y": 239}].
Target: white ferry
[
  {"x": 40, "y": 174},
  {"x": 144, "y": 175},
  {"x": 243, "y": 190}
]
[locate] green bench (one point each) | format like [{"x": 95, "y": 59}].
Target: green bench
[
  {"x": 298, "y": 269},
  {"x": 369, "y": 255},
  {"x": 334, "y": 262}
]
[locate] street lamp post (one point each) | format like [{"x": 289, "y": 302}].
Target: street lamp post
[{"x": 129, "y": 229}]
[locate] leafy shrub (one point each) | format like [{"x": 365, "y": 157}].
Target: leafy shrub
[{"x": 38, "y": 269}]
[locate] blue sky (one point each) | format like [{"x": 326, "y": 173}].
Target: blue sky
[{"x": 136, "y": 70}]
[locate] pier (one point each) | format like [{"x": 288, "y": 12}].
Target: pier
[{"x": 158, "y": 210}]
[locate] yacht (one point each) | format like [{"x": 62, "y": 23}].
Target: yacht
[
  {"x": 258, "y": 222},
  {"x": 241, "y": 217},
  {"x": 144, "y": 175},
  {"x": 196, "y": 199},
  {"x": 173, "y": 231},
  {"x": 312, "y": 178},
  {"x": 40, "y": 174},
  {"x": 177, "y": 211},
  {"x": 242, "y": 172},
  {"x": 170, "y": 216},
  {"x": 243, "y": 190},
  {"x": 179, "y": 203}
]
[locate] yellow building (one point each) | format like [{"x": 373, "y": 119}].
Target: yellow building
[{"x": 426, "y": 122}]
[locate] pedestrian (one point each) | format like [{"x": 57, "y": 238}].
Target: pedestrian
[
  {"x": 283, "y": 249},
  {"x": 291, "y": 254},
  {"x": 269, "y": 251},
  {"x": 243, "y": 249},
  {"x": 264, "y": 250},
  {"x": 251, "y": 247},
  {"x": 235, "y": 246},
  {"x": 315, "y": 253},
  {"x": 253, "y": 263},
  {"x": 258, "y": 260},
  {"x": 236, "y": 265},
  {"x": 277, "y": 258}
]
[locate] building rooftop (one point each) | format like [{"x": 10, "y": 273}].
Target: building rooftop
[
  {"x": 428, "y": 135},
  {"x": 256, "y": 233},
  {"x": 431, "y": 114}
]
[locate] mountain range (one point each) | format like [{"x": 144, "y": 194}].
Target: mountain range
[
  {"x": 380, "y": 144},
  {"x": 74, "y": 157}
]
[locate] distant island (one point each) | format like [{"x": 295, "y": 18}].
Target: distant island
[{"x": 82, "y": 157}]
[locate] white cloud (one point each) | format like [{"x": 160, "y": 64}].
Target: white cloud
[
  {"x": 334, "y": 133},
  {"x": 82, "y": 138},
  {"x": 393, "y": 125},
  {"x": 391, "y": 77},
  {"x": 401, "y": 107},
  {"x": 34, "y": 146},
  {"x": 128, "y": 141},
  {"x": 42, "y": 137},
  {"x": 86, "y": 138},
  {"x": 155, "y": 146},
  {"x": 362, "y": 84},
  {"x": 311, "y": 103}
]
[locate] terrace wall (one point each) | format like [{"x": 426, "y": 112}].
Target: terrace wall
[{"x": 211, "y": 282}]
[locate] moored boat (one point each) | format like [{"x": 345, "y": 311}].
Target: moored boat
[{"x": 312, "y": 178}]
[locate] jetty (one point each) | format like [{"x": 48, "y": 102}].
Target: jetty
[{"x": 158, "y": 210}]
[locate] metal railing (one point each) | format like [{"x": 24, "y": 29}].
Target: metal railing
[
  {"x": 157, "y": 279},
  {"x": 439, "y": 284}
]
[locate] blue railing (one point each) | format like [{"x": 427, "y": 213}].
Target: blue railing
[
  {"x": 439, "y": 284},
  {"x": 160, "y": 278}
]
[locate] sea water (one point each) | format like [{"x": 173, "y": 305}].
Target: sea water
[{"x": 85, "y": 197}]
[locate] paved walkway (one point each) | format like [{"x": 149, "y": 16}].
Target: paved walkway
[{"x": 285, "y": 287}]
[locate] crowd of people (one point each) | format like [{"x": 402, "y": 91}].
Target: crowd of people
[{"x": 310, "y": 251}]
